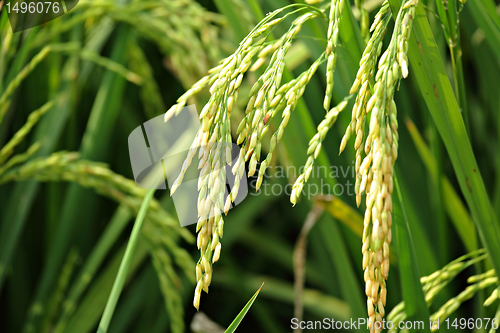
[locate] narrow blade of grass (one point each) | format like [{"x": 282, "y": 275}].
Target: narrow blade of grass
[
  {"x": 125, "y": 265},
  {"x": 316, "y": 302},
  {"x": 413, "y": 295},
  {"x": 236, "y": 322}
]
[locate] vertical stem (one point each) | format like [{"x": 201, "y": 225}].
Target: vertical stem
[
  {"x": 456, "y": 59},
  {"x": 449, "y": 18},
  {"x": 124, "y": 266},
  {"x": 299, "y": 261}
]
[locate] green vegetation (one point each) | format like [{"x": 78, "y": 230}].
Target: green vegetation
[{"x": 407, "y": 90}]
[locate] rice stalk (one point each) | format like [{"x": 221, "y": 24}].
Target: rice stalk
[
  {"x": 21, "y": 134},
  {"x": 336, "y": 10},
  {"x": 453, "y": 304},
  {"x": 495, "y": 295},
  {"x": 161, "y": 230},
  {"x": 20, "y": 158},
  {"x": 62, "y": 285},
  {"x": 187, "y": 32},
  {"x": 433, "y": 284},
  {"x": 364, "y": 20},
  {"x": 20, "y": 77},
  {"x": 64, "y": 166},
  {"x": 189, "y": 20},
  {"x": 69, "y": 48},
  {"x": 267, "y": 97}
]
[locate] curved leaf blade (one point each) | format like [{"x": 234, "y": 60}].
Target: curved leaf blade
[{"x": 236, "y": 322}]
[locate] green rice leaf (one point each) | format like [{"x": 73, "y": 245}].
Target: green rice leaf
[
  {"x": 453, "y": 204},
  {"x": 236, "y": 322},
  {"x": 413, "y": 295},
  {"x": 430, "y": 73}
]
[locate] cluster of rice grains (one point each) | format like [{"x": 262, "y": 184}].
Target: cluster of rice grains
[
  {"x": 433, "y": 284},
  {"x": 315, "y": 144},
  {"x": 336, "y": 10},
  {"x": 376, "y": 149},
  {"x": 374, "y": 171},
  {"x": 267, "y": 97}
]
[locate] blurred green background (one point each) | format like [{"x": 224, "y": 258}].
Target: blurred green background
[{"x": 108, "y": 66}]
